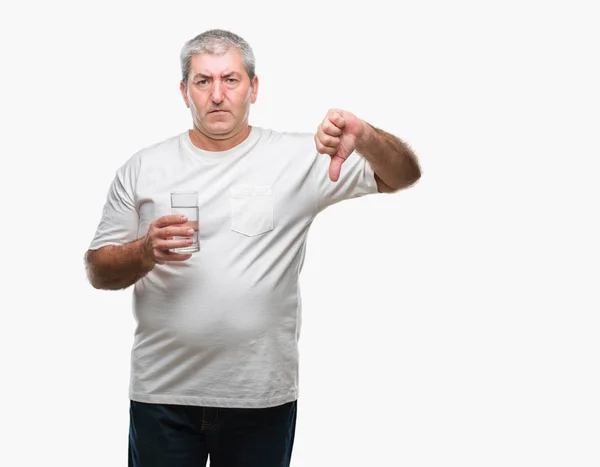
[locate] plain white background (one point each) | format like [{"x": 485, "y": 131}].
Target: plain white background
[{"x": 451, "y": 324}]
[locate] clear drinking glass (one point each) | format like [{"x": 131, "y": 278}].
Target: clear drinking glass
[{"x": 186, "y": 203}]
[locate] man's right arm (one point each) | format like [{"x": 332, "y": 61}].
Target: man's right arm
[{"x": 115, "y": 267}]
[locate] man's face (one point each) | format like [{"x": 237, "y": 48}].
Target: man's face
[{"x": 219, "y": 93}]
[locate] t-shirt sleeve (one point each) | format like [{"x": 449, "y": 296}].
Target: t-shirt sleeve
[
  {"x": 119, "y": 221},
  {"x": 356, "y": 179}
]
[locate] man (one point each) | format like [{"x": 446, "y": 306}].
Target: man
[{"x": 214, "y": 367}]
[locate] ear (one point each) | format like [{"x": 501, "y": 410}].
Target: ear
[
  {"x": 184, "y": 93},
  {"x": 254, "y": 89}
]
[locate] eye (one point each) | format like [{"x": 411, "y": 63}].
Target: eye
[
  {"x": 232, "y": 80},
  {"x": 202, "y": 82}
]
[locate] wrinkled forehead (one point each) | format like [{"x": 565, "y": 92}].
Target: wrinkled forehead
[{"x": 217, "y": 65}]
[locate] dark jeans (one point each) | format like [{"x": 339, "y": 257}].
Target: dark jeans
[{"x": 162, "y": 435}]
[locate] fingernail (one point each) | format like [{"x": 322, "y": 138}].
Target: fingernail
[
  {"x": 183, "y": 219},
  {"x": 190, "y": 232}
]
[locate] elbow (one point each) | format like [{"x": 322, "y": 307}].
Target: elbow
[
  {"x": 89, "y": 273},
  {"x": 412, "y": 176},
  {"x": 100, "y": 284},
  {"x": 91, "y": 267},
  {"x": 96, "y": 283},
  {"x": 409, "y": 176},
  {"x": 404, "y": 180}
]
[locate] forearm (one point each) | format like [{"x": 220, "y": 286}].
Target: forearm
[
  {"x": 117, "y": 267},
  {"x": 391, "y": 159}
]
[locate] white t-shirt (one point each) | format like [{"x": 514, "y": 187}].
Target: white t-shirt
[{"x": 221, "y": 329}]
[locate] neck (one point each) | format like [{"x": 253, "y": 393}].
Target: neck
[{"x": 203, "y": 141}]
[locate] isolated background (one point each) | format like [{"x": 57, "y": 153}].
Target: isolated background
[{"x": 451, "y": 324}]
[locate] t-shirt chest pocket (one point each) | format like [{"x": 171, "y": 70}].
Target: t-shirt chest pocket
[{"x": 251, "y": 209}]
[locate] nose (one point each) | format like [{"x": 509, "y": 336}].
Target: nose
[{"x": 217, "y": 92}]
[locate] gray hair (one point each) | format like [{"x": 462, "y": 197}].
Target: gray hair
[{"x": 217, "y": 42}]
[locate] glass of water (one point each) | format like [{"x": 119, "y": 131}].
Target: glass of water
[{"x": 186, "y": 204}]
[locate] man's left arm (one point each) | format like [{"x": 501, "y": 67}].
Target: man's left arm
[{"x": 394, "y": 163}]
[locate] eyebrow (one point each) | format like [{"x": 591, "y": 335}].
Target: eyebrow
[{"x": 225, "y": 75}]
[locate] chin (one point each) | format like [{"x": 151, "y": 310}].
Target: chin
[
  {"x": 223, "y": 128},
  {"x": 217, "y": 129}
]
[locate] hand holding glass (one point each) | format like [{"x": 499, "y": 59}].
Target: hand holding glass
[{"x": 186, "y": 204}]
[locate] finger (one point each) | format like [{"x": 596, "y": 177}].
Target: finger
[
  {"x": 174, "y": 231},
  {"x": 335, "y": 117},
  {"x": 330, "y": 129},
  {"x": 335, "y": 168},
  {"x": 166, "y": 245},
  {"x": 322, "y": 149},
  {"x": 171, "y": 219},
  {"x": 328, "y": 140},
  {"x": 173, "y": 256}
]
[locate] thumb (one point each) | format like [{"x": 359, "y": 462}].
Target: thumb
[{"x": 335, "y": 167}]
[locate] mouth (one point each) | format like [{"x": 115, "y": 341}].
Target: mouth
[{"x": 217, "y": 111}]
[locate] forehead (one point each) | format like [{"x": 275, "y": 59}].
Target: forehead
[{"x": 210, "y": 64}]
